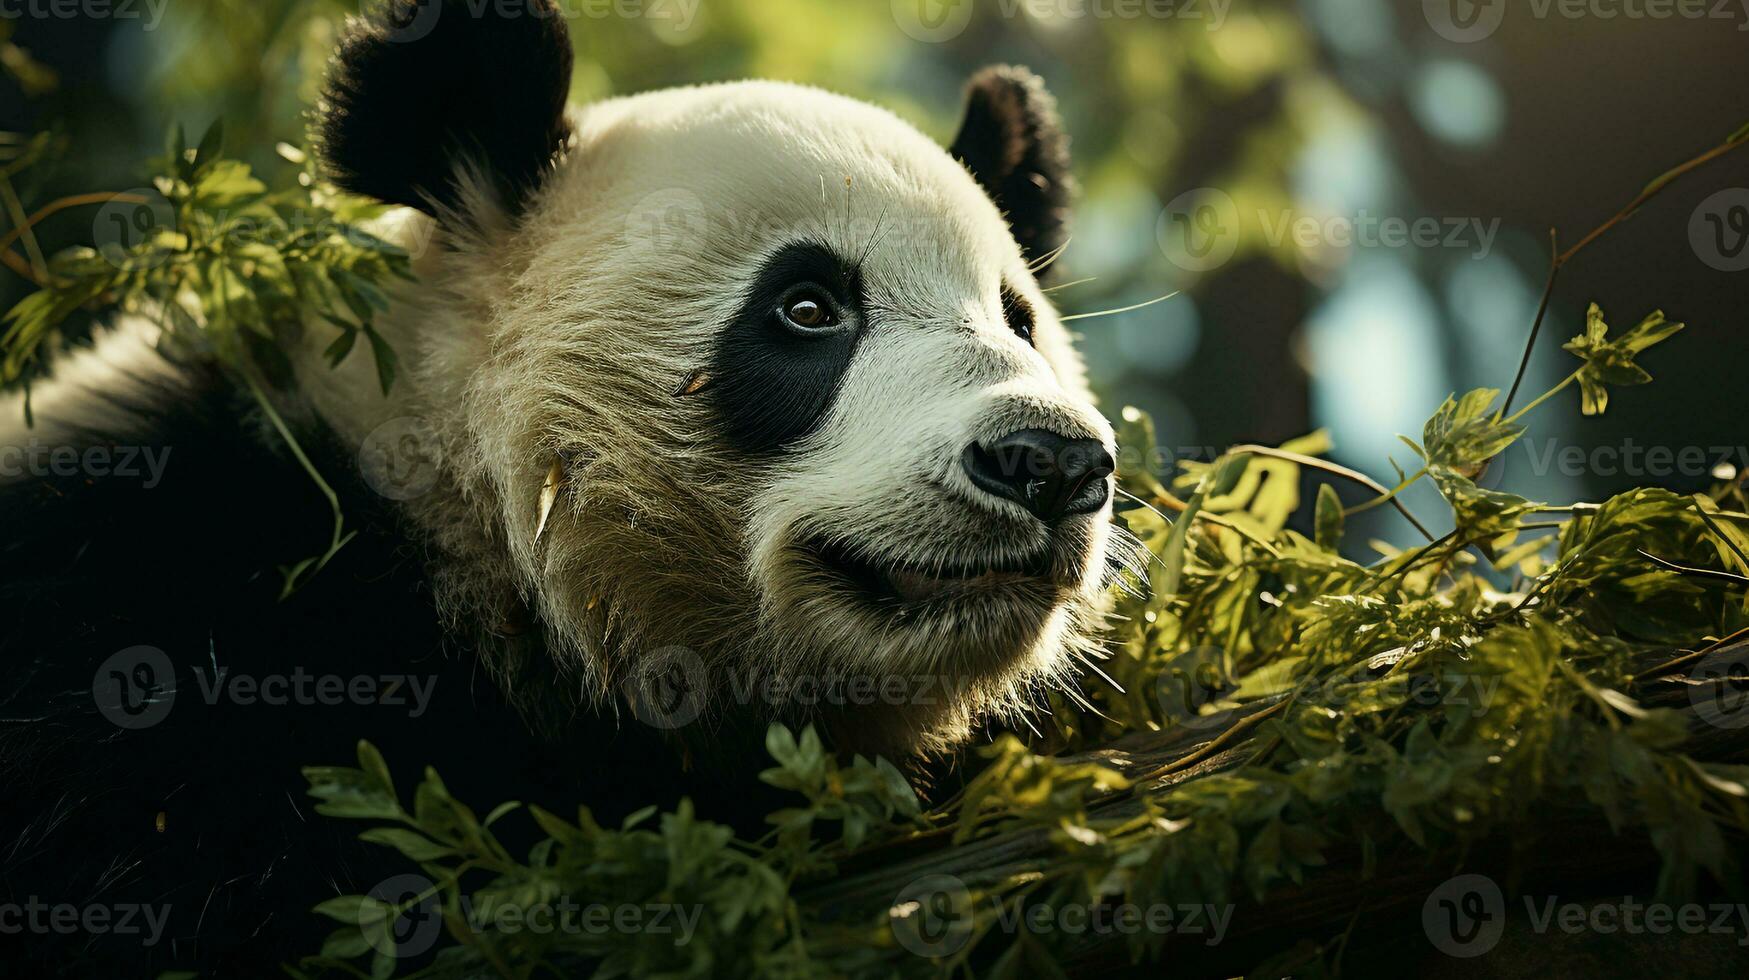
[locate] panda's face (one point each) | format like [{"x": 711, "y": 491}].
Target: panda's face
[{"x": 763, "y": 373}]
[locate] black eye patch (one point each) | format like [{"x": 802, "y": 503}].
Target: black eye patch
[
  {"x": 1017, "y": 313},
  {"x": 771, "y": 383}
]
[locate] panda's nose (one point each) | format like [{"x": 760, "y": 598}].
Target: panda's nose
[{"x": 1048, "y": 474}]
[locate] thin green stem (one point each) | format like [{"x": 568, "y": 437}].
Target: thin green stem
[
  {"x": 1408, "y": 482},
  {"x": 1339, "y": 470},
  {"x": 1552, "y": 392},
  {"x": 302, "y": 571}
]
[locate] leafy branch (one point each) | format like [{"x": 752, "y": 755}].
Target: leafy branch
[{"x": 231, "y": 272}]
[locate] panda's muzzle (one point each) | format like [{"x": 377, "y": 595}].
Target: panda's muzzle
[{"x": 1052, "y": 476}]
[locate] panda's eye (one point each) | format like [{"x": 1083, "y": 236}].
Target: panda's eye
[
  {"x": 808, "y": 312},
  {"x": 1018, "y": 314}
]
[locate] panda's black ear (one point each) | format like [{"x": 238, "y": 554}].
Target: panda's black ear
[
  {"x": 423, "y": 90},
  {"x": 1013, "y": 142}
]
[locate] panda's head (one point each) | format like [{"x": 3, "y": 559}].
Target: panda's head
[{"x": 780, "y": 365}]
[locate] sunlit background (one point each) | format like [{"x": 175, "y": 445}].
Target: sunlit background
[{"x": 1258, "y": 156}]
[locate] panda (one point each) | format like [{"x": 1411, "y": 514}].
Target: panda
[{"x": 717, "y": 406}]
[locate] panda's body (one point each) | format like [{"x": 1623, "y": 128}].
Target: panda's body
[{"x": 730, "y": 404}]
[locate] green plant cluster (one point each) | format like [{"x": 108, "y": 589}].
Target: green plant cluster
[
  {"x": 1476, "y": 686},
  {"x": 1446, "y": 695},
  {"x": 230, "y": 271}
]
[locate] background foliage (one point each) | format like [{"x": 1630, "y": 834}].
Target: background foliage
[{"x": 1267, "y": 617}]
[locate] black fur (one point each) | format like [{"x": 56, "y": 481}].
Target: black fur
[
  {"x": 421, "y": 88},
  {"x": 1017, "y": 313},
  {"x": 1013, "y": 142},
  {"x": 96, "y": 565},
  {"x": 769, "y": 386}
]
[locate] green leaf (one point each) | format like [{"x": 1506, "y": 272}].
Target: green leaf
[
  {"x": 176, "y": 152},
  {"x": 1327, "y": 518},
  {"x": 1463, "y": 435},
  {"x": 342, "y": 345},
  {"x": 1217, "y": 481},
  {"x": 212, "y": 143},
  {"x": 385, "y": 358},
  {"x": 1479, "y": 513},
  {"x": 351, "y": 793},
  {"x": 414, "y": 845},
  {"x": 1611, "y": 362}
]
